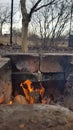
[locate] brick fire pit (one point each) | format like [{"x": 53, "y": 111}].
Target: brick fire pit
[{"x": 15, "y": 68}]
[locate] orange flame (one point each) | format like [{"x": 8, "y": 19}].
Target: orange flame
[
  {"x": 30, "y": 89},
  {"x": 10, "y": 102}
]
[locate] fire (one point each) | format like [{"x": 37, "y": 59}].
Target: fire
[
  {"x": 29, "y": 85},
  {"x": 10, "y": 102},
  {"x": 30, "y": 91},
  {"x": 32, "y": 94}
]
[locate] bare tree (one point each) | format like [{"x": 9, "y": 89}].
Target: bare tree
[
  {"x": 57, "y": 16},
  {"x": 44, "y": 19},
  {"x": 26, "y": 18},
  {"x": 53, "y": 22},
  {"x": 61, "y": 25}
]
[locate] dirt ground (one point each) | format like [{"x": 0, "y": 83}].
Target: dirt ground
[
  {"x": 35, "y": 117},
  {"x": 6, "y": 49}
]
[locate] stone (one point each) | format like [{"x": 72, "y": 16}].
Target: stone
[{"x": 35, "y": 117}]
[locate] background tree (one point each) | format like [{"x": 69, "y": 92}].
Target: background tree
[
  {"x": 54, "y": 22},
  {"x": 4, "y": 16},
  {"x": 43, "y": 20}
]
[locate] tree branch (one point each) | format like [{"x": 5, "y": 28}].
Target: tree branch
[
  {"x": 33, "y": 8},
  {"x": 44, "y": 6}
]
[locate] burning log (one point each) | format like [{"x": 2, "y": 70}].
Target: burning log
[
  {"x": 48, "y": 99},
  {"x": 36, "y": 96},
  {"x": 19, "y": 99},
  {"x": 41, "y": 90},
  {"x": 44, "y": 100}
]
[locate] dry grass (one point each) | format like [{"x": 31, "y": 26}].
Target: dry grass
[{"x": 18, "y": 40}]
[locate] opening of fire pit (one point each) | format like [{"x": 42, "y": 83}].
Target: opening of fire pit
[{"x": 30, "y": 68}]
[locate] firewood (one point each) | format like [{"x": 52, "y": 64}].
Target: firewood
[{"x": 19, "y": 99}]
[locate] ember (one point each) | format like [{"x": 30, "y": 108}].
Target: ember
[{"x": 10, "y": 102}]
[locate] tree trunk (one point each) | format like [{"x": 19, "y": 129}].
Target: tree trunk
[
  {"x": 1, "y": 26},
  {"x": 24, "y": 37},
  {"x": 25, "y": 23}
]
